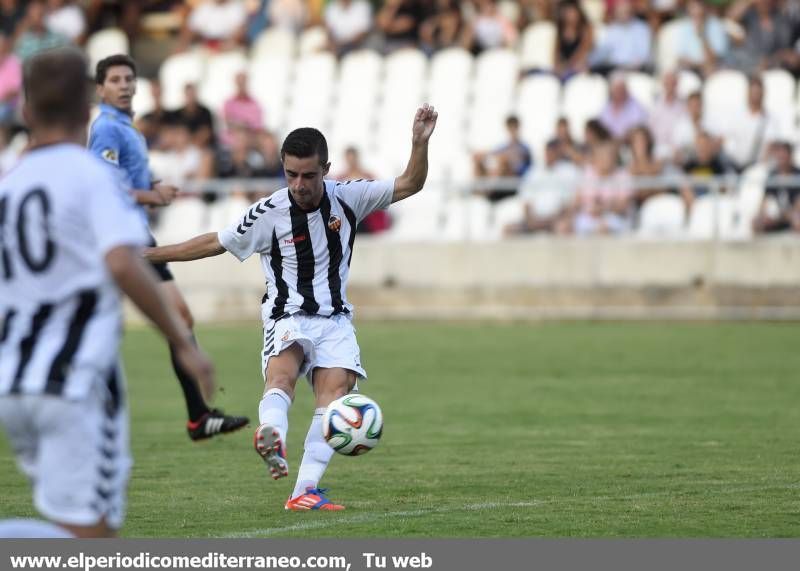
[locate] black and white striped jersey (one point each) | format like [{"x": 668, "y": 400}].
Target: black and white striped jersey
[
  {"x": 61, "y": 211},
  {"x": 306, "y": 256}
]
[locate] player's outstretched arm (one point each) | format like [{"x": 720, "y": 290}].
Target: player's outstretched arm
[
  {"x": 413, "y": 178},
  {"x": 138, "y": 282},
  {"x": 203, "y": 246}
]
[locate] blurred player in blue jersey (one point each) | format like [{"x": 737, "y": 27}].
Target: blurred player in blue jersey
[{"x": 114, "y": 139}]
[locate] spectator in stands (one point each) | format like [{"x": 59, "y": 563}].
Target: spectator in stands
[
  {"x": 574, "y": 40},
  {"x": 766, "y": 34},
  {"x": 594, "y": 134},
  {"x": 179, "y": 160},
  {"x": 443, "y": 27},
  {"x": 640, "y": 9},
  {"x": 488, "y": 29},
  {"x": 12, "y": 13},
  {"x": 780, "y": 208},
  {"x": 668, "y": 111},
  {"x": 241, "y": 158},
  {"x": 127, "y": 15},
  {"x": 746, "y": 135},
  {"x": 567, "y": 146},
  {"x": 546, "y": 189},
  {"x": 242, "y": 110},
  {"x": 686, "y": 130},
  {"x": 10, "y": 82},
  {"x": 348, "y": 23},
  {"x": 622, "y": 112},
  {"x": 532, "y": 11},
  {"x": 66, "y": 18},
  {"x": 702, "y": 43},
  {"x": 150, "y": 124},
  {"x": 399, "y": 21},
  {"x": 706, "y": 162},
  {"x": 643, "y": 163},
  {"x": 378, "y": 221},
  {"x": 267, "y": 144},
  {"x": 34, "y": 36},
  {"x": 625, "y": 44},
  {"x": 217, "y": 24},
  {"x": 197, "y": 118},
  {"x": 289, "y": 14},
  {"x": 603, "y": 204},
  {"x": 509, "y": 160}
]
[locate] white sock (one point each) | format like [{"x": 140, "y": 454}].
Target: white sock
[
  {"x": 20, "y": 528},
  {"x": 316, "y": 456},
  {"x": 273, "y": 410}
]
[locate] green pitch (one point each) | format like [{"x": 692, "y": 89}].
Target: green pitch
[{"x": 578, "y": 429}]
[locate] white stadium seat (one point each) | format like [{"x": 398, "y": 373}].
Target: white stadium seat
[
  {"x": 642, "y": 87},
  {"x": 107, "y": 42},
  {"x": 538, "y": 46},
  {"x": 538, "y": 102},
  {"x": 185, "y": 218},
  {"x": 219, "y": 79},
  {"x": 178, "y": 70},
  {"x": 274, "y": 41},
  {"x": 418, "y": 219},
  {"x": 662, "y": 216},
  {"x": 724, "y": 96},
  {"x": 667, "y": 46},
  {"x": 688, "y": 83},
  {"x": 584, "y": 97},
  {"x": 312, "y": 91},
  {"x": 270, "y": 78},
  {"x": 143, "y": 101},
  {"x": 357, "y": 93},
  {"x": 780, "y": 90},
  {"x": 312, "y": 40},
  {"x": 467, "y": 218},
  {"x": 405, "y": 74},
  {"x": 494, "y": 83},
  {"x": 713, "y": 217}
]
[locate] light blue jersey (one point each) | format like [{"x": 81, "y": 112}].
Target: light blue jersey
[{"x": 114, "y": 139}]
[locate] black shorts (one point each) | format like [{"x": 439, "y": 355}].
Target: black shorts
[{"x": 161, "y": 268}]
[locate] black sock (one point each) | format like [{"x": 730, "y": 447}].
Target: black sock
[{"x": 195, "y": 405}]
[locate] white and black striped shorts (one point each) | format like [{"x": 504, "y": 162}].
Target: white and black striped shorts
[{"x": 75, "y": 452}]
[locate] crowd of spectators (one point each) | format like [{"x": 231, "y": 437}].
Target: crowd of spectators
[{"x": 624, "y": 142}]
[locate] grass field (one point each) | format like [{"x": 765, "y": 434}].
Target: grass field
[{"x": 576, "y": 429}]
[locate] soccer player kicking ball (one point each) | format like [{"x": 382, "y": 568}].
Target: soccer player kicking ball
[
  {"x": 304, "y": 234},
  {"x": 114, "y": 139},
  {"x": 69, "y": 241}
]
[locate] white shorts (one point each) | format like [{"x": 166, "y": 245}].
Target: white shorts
[
  {"x": 327, "y": 342},
  {"x": 75, "y": 453}
]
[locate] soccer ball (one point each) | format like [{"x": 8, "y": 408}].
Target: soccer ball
[{"x": 352, "y": 424}]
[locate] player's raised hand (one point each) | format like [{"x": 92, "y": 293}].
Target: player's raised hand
[
  {"x": 166, "y": 192},
  {"x": 424, "y": 123}
]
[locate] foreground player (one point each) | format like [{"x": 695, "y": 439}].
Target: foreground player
[
  {"x": 69, "y": 238},
  {"x": 114, "y": 139},
  {"x": 304, "y": 234}
]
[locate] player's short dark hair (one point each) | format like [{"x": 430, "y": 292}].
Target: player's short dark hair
[
  {"x": 512, "y": 122},
  {"x": 305, "y": 142},
  {"x": 56, "y": 87},
  {"x": 107, "y": 63}
]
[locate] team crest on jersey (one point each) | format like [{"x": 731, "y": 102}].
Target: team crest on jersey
[
  {"x": 110, "y": 155},
  {"x": 286, "y": 336},
  {"x": 334, "y": 223}
]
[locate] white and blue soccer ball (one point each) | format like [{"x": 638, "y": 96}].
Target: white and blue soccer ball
[{"x": 352, "y": 424}]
